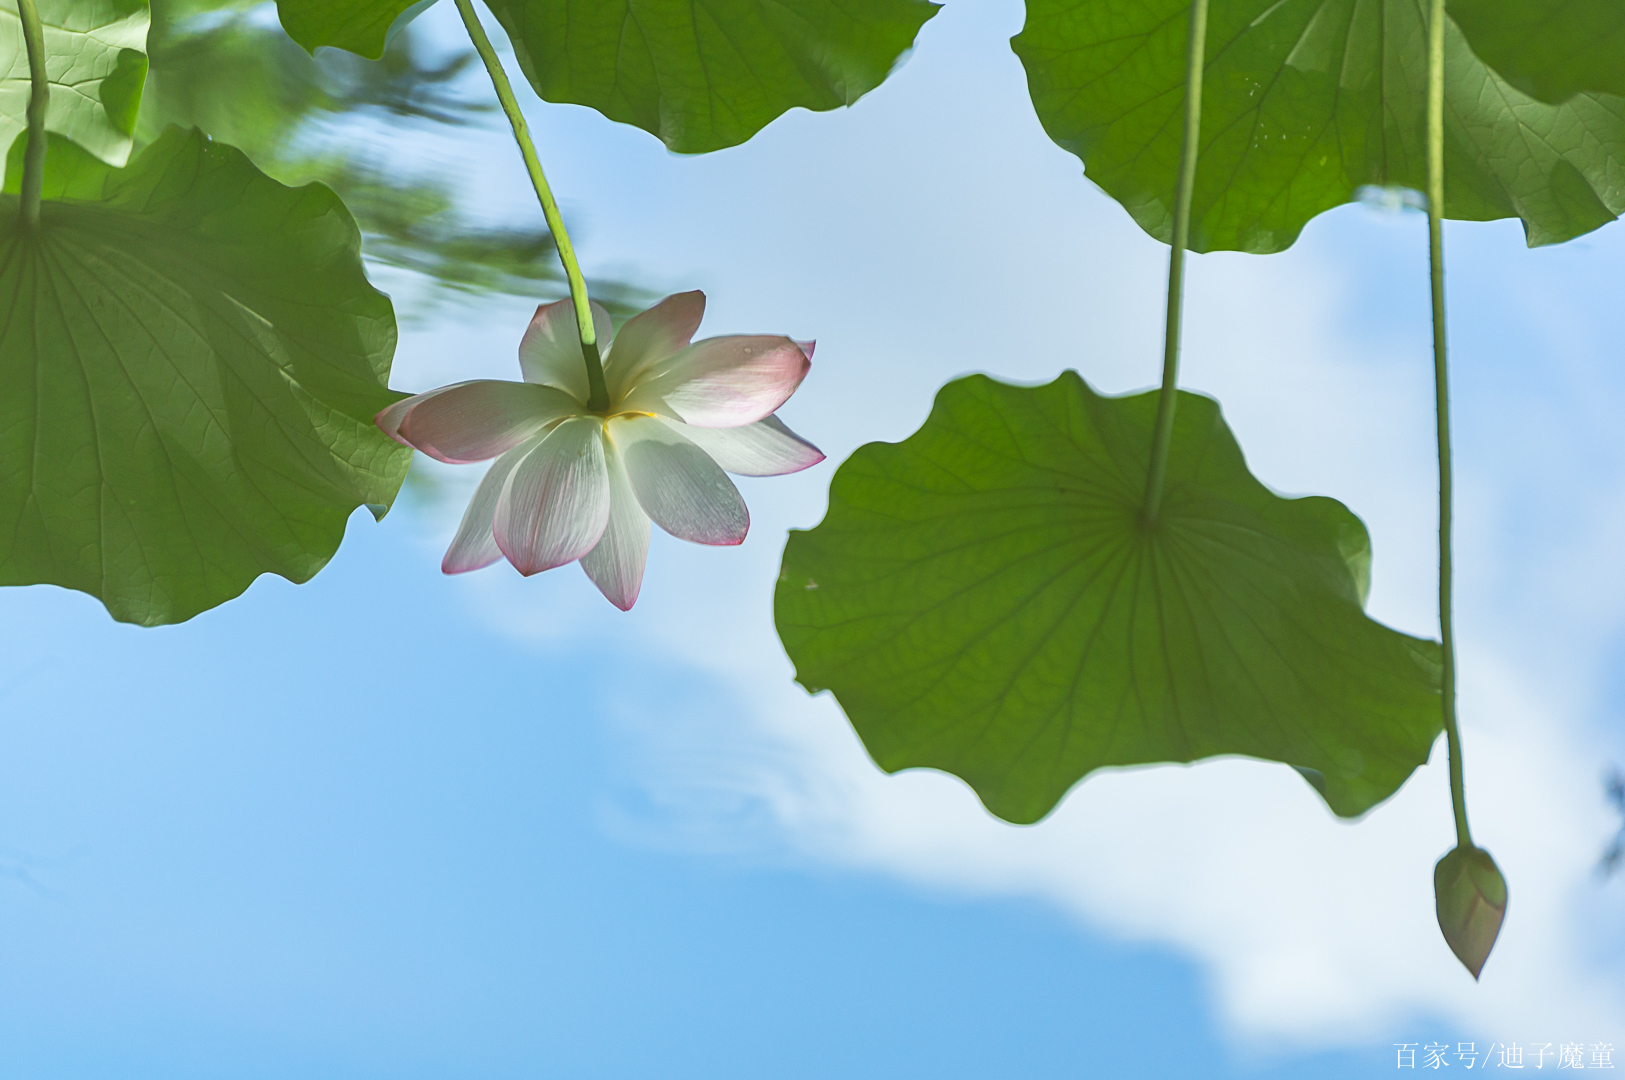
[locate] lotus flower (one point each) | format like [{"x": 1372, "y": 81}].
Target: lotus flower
[{"x": 570, "y": 483}]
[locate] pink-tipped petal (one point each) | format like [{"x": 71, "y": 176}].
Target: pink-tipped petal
[
  {"x": 807, "y": 347},
  {"x": 677, "y": 483},
  {"x": 651, "y": 336},
  {"x": 765, "y": 448},
  {"x": 555, "y": 503},
  {"x": 616, "y": 564},
  {"x": 475, "y": 547},
  {"x": 550, "y": 352},
  {"x": 723, "y": 381},
  {"x": 476, "y": 421},
  {"x": 390, "y": 419}
]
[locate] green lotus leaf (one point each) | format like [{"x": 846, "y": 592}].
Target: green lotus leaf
[
  {"x": 193, "y": 358},
  {"x": 96, "y": 61},
  {"x": 1304, "y": 102},
  {"x": 360, "y": 26},
  {"x": 705, "y": 74},
  {"x": 1552, "y": 49},
  {"x": 983, "y": 598}
]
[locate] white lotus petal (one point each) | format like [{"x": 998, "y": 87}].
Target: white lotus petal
[
  {"x": 722, "y": 382},
  {"x": 616, "y": 564},
  {"x": 650, "y": 337},
  {"x": 765, "y": 448},
  {"x": 390, "y": 419},
  {"x": 475, "y": 547},
  {"x": 550, "y": 352},
  {"x": 677, "y": 483},
  {"x": 476, "y": 421},
  {"x": 555, "y": 503}
]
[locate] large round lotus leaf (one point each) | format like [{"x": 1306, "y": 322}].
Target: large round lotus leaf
[
  {"x": 699, "y": 74},
  {"x": 192, "y": 358},
  {"x": 982, "y": 598},
  {"x": 705, "y": 74},
  {"x": 1303, "y": 103}
]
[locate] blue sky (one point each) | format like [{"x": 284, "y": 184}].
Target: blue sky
[
  {"x": 267, "y": 844},
  {"x": 397, "y": 825}
]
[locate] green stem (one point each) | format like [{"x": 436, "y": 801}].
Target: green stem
[
  {"x": 39, "y": 97},
  {"x": 598, "y": 394},
  {"x": 1163, "y": 435},
  {"x": 1441, "y": 381}
]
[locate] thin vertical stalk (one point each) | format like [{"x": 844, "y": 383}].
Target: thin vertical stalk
[
  {"x": 598, "y": 394},
  {"x": 39, "y": 96},
  {"x": 1163, "y": 433},
  {"x": 1441, "y": 382}
]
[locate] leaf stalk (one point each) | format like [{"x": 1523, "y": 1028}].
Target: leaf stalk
[
  {"x": 598, "y": 393},
  {"x": 1163, "y": 432},
  {"x": 39, "y": 97},
  {"x": 1441, "y": 382}
]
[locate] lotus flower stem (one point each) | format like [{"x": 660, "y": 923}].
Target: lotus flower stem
[
  {"x": 1163, "y": 435},
  {"x": 39, "y": 97},
  {"x": 1441, "y": 382},
  {"x": 598, "y": 393}
]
